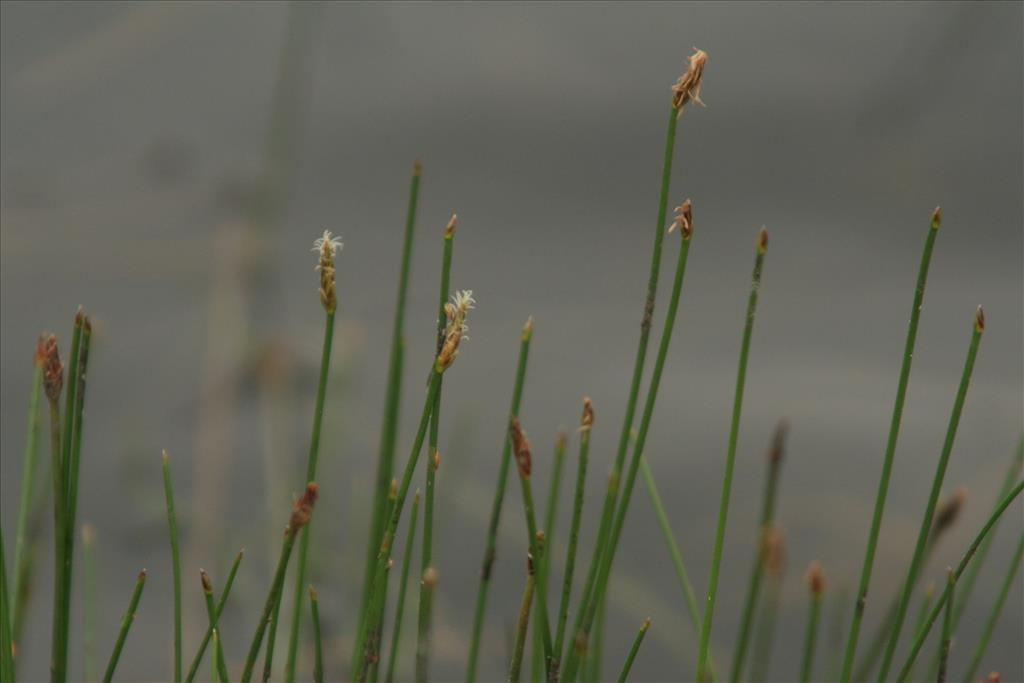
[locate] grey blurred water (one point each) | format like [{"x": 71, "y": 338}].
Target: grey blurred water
[{"x": 133, "y": 143}]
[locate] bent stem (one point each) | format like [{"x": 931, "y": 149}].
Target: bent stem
[
  {"x": 637, "y": 642},
  {"x": 490, "y": 549},
  {"x": 890, "y": 449},
  {"x": 410, "y": 543},
  {"x": 126, "y": 624}
]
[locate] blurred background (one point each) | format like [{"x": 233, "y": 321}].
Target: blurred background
[{"x": 168, "y": 166}]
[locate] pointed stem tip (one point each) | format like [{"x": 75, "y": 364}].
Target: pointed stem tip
[
  {"x": 979, "y": 320},
  {"x": 587, "y": 420},
  {"x": 762, "y": 240},
  {"x": 937, "y": 218}
]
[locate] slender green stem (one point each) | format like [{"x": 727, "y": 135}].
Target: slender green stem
[
  {"x": 6, "y": 651},
  {"x": 89, "y": 602},
  {"x": 947, "y": 625},
  {"x": 369, "y": 636},
  {"x": 673, "y": 549},
  {"x": 723, "y": 511},
  {"x": 318, "y": 647},
  {"x": 268, "y": 655},
  {"x": 940, "y": 473},
  {"x": 637, "y": 642},
  {"x": 433, "y": 460},
  {"x": 375, "y": 665},
  {"x": 126, "y": 624},
  {"x": 536, "y": 552},
  {"x": 268, "y": 608},
  {"x": 392, "y": 396},
  {"x": 216, "y": 662},
  {"x": 490, "y": 548},
  {"x": 810, "y": 638},
  {"x": 550, "y": 513},
  {"x": 608, "y": 555},
  {"x": 314, "y": 454},
  {"x": 997, "y": 608},
  {"x": 837, "y": 620},
  {"x": 410, "y": 544},
  {"x": 194, "y": 668},
  {"x": 172, "y": 524},
  {"x": 57, "y": 472},
  {"x": 964, "y": 561},
  {"x": 523, "y": 624},
  {"x": 765, "y": 638},
  {"x": 922, "y": 614},
  {"x": 211, "y": 614},
  {"x": 595, "y": 655},
  {"x": 890, "y": 450},
  {"x": 574, "y": 535},
  {"x": 771, "y": 482},
  {"x": 27, "y": 498}
]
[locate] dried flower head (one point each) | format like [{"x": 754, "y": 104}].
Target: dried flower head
[
  {"x": 53, "y": 369},
  {"x": 683, "y": 220},
  {"x": 937, "y": 218},
  {"x": 302, "y": 511},
  {"x": 687, "y": 88},
  {"x": 979, "y": 320},
  {"x": 449, "y": 230},
  {"x": 328, "y": 247},
  {"x": 816, "y": 579},
  {"x": 207, "y": 584},
  {"x": 762, "y": 241},
  {"x": 456, "y": 331},
  {"x": 521, "y": 447},
  {"x": 949, "y": 511},
  {"x": 587, "y": 420},
  {"x": 778, "y": 447}
]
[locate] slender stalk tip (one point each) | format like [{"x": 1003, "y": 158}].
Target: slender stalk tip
[
  {"x": 302, "y": 511},
  {"x": 993, "y": 677},
  {"x": 417, "y": 168},
  {"x": 449, "y": 230},
  {"x": 416, "y": 498},
  {"x": 778, "y": 447},
  {"x": 979, "y": 320},
  {"x": 521, "y": 447},
  {"x": 164, "y": 458},
  {"x": 587, "y": 420},
  {"x": 646, "y": 625},
  {"x": 53, "y": 368},
  {"x": 142, "y": 576},
  {"x": 687, "y": 88},
  {"x": 683, "y": 220},
  {"x": 528, "y": 329},
  {"x": 529, "y": 564},
  {"x": 79, "y": 316},
  {"x": 816, "y": 579},
  {"x": 328, "y": 247},
  {"x": 561, "y": 441},
  {"x": 40, "y": 358},
  {"x": 762, "y": 240},
  {"x": 207, "y": 584},
  {"x": 937, "y": 218}
]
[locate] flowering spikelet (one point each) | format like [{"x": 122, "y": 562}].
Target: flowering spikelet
[
  {"x": 948, "y": 512},
  {"x": 456, "y": 330},
  {"x": 683, "y": 220},
  {"x": 302, "y": 511},
  {"x": 207, "y": 584},
  {"x": 587, "y": 420},
  {"x": 937, "y": 218},
  {"x": 449, "y": 230},
  {"x": 687, "y": 88},
  {"x": 816, "y": 579},
  {"x": 328, "y": 246},
  {"x": 521, "y": 446},
  {"x": 979, "y": 320},
  {"x": 53, "y": 369}
]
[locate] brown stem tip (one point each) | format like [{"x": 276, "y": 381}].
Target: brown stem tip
[
  {"x": 949, "y": 511},
  {"x": 587, "y": 420},
  {"x": 816, "y": 579},
  {"x": 449, "y": 230},
  {"x": 683, "y": 220},
  {"x": 528, "y": 328},
  {"x": 207, "y": 584},
  {"x": 979, "y": 320},
  {"x": 762, "y": 240},
  {"x": 417, "y": 168},
  {"x": 521, "y": 446},
  {"x": 328, "y": 247},
  {"x": 778, "y": 447},
  {"x": 773, "y": 551},
  {"x": 936, "y": 218},
  {"x": 437, "y": 460},
  {"x": 646, "y": 625},
  {"x": 687, "y": 88},
  {"x": 302, "y": 511},
  {"x": 53, "y": 369}
]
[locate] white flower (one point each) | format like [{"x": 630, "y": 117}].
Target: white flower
[{"x": 328, "y": 245}]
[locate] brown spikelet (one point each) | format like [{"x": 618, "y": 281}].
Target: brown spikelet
[
  {"x": 587, "y": 420},
  {"x": 979, "y": 320},
  {"x": 521, "y": 447},
  {"x": 53, "y": 369},
  {"x": 207, "y": 584},
  {"x": 816, "y": 579},
  {"x": 949, "y": 511},
  {"x": 762, "y": 240},
  {"x": 683, "y": 220},
  {"x": 773, "y": 551},
  {"x": 937, "y": 218},
  {"x": 687, "y": 88},
  {"x": 328, "y": 247},
  {"x": 449, "y": 230},
  {"x": 430, "y": 577},
  {"x": 302, "y": 511},
  {"x": 778, "y": 447}
]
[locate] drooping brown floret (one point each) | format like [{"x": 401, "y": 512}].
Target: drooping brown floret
[
  {"x": 687, "y": 88},
  {"x": 302, "y": 511}
]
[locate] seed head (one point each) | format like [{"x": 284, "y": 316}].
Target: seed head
[
  {"x": 449, "y": 230},
  {"x": 683, "y": 220},
  {"x": 53, "y": 369},
  {"x": 937, "y": 218},
  {"x": 587, "y": 421},
  {"x": 979, "y": 320},
  {"x": 417, "y": 168},
  {"x": 816, "y": 579},
  {"x": 207, "y": 584},
  {"x": 302, "y": 511},
  {"x": 687, "y": 88},
  {"x": 778, "y": 448},
  {"x": 762, "y": 241},
  {"x": 949, "y": 511},
  {"x": 328, "y": 246},
  {"x": 456, "y": 330},
  {"x": 521, "y": 447}
]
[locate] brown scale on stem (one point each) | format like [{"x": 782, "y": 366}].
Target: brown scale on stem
[
  {"x": 302, "y": 511},
  {"x": 53, "y": 368},
  {"x": 683, "y": 220},
  {"x": 521, "y": 448}
]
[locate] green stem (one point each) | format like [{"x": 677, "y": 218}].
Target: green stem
[
  {"x": 890, "y": 450},
  {"x": 89, "y": 603},
  {"x": 765, "y": 638},
  {"x": 947, "y": 626},
  {"x": 522, "y": 625},
  {"x": 490, "y": 549},
  {"x": 57, "y": 472},
  {"x": 392, "y": 396},
  {"x": 194, "y": 668},
  {"x": 964, "y": 561},
  {"x": 6, "y": 651},
  {"x": 211, "y": 614},
  {"x": 570, "y": 553},
  {"x": 410, "y": 544},
  {"x": 314, "y": 454},
  {"x": 126, "y": 624},
  {"x": 677, "y": 557},
  {"x": 810, "y": 639},
  {"x": 633, "y": 650},
  {"x": 595, "y": 655},
  {"x": 997, "y": 608},
  {"x": 370, "y": 646},
  {"x": 318, "y": 648},
  {"x": 268, "y": 608},
  {"x": 771, "y": 482},
  {"x": 550, "y": 513},
  {"x": 730, "y": 460},
  {"x": 535, "y": 550},
  {"x": 172, "y": 523},
  {"x": 922, "y": 614},
  {"x": 27, "y": 499},
  {"x": 608, "y": 555},
  {"x": 940, "y": 474}
]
